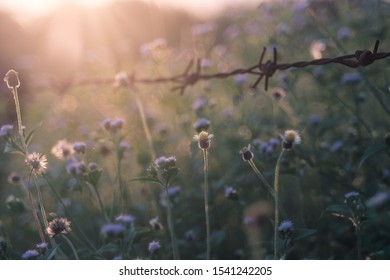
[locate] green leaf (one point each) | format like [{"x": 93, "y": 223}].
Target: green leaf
[
  {"x": 371, "y": 150},
  {"x": 339, "y": 210},
  {"x": 303, "y": 233},
  {"x": 31, "y": 133},
  {"x": 50, "y": 253},
  {"x": 145, "y": 179}
]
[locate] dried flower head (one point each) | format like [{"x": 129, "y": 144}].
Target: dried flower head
[
  {"x": 37, "y": 162},
  {"x": 62, "y": 150},
  {"x": 290, "y": 138},
  {"x": 155, "y": 224},
  {"x": 153, "y": 246},
  {"x": 12, "y": 79},
  {"x": 277, "y": 93},
  {"x": 14, "y": 178},
  {"x": 58, "y": 226},
  {"x": 204, "y": 140},
  {"x": 121, "y": 80},
  {"x": 246, "y": 153}
]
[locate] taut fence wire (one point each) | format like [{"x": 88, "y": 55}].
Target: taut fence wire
[{"x": 263, "y": 71}]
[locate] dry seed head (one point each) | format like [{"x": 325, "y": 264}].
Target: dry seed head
[
  {"x": 204, "y": 140},
  {"x": 290, "y": 138},
  {"x": 12, "y": 79},
  {"x": 37, "y": 162}
]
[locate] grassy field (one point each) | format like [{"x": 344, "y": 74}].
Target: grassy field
[{"x": 125, "y": 177}]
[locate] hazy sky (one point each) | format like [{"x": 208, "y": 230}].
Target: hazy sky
[{"x": 25, "y": 9}]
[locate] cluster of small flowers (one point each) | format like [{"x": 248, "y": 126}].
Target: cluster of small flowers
[
  {"x": 163, "y": 168},
  {"x": 64, "y": 150},
  {"x": 32, "y": 254},
  {"x": 266, "y": 147},
  {"x": 112, "y": 125}
]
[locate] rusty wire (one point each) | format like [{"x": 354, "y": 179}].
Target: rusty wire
[{"x": 360, "y": 58}]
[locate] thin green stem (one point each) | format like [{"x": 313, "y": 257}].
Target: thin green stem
[
  {"x": 145, "y": 124},
  {"x": 206, "y": 202},
  {"x": 18, "y": 112},
  {"x": 171, "y": 226},
  {"x": 57, "y": 195},
  {"x": 71, "y": 246},
  {"x": 38, "y": 224},
  {"x": 276, "y": 188},
  {"x": 96, "y": 194},
  {"x": 268, "y": 186},
  {"x": 359, "y": 242},
  {"x": 40, "y": 201}
]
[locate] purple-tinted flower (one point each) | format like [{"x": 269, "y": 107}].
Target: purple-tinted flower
[
  {"x": 231, "y": 193},
  {"x": 42, "y": 246},
  {"x": 206, "y": 63},
  {"x": 274, "y": 141},
  {"x": 76, "y": 168},
  {"x": 30, "y": 254},
  {"x": 286, "y": 225},
  {"x": 203, "y": 28},
  {"x": 174, "y": 190},
  {"x": 153, "y": 246},
  {"x": 125, "y": 219},
  {"x": 349, "y": 78},
  {"x": 240, "y": 79},
  {"x": 92, "y": 166},
  {"x": 79, "y": 147},
  {"x": 379, "y": 199},
  {"x": 202, "y": 124},
  {"x": 351, "y": 194},
  {"x": 199, "y": 103},
  {"x": 112, "y": 230},
  {"x": 189, "y": 235},
  {"x": 344, "y": 33},
  {"x": 6, "y": 129},
  {"x": 314, "y": 119},
  {"x": 337, "y": 146},
  {"x": 118, "y": 258}
]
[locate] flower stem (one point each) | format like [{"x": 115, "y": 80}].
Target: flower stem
[
  {"x": 171, "y": 227},
  {"x": 71, "y": 246},
  {"x": 57, "y": 195},
  {"x": 95, "y": 192},
  {"x": 276, "y": 189},
  {"x": 268, "y": 186},
  {"x": 206, "y": 202},
  {"x": 18, "y": 112},
  {"x": 38, "y": 224}
]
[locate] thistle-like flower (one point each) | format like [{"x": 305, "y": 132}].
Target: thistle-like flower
[
  {"x": 112, "y": 230},
  {"x": 6, "y": 129},
  {"x": 37, "y": 162},
  {"x": 63, "y": 150},
  {"x": 30, "y": 254},
  {"x": 290, "y": 138},
  {"x": 153, "y": 246},
  {"x": 58, "y": 226},
  {"x": 204, "y": 140},
  {"x": 246, "y": 153},
  {"x": 286, "y": 229}
]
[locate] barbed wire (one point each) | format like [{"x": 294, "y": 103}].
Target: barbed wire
[{"x": 360, "y": 58}]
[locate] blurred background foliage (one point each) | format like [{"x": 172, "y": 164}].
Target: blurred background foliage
[{"x": 342, "y": 115}]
